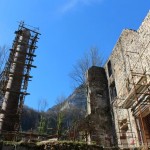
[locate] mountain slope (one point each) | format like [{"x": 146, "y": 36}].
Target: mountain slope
[{"x": 73, "y": 108}]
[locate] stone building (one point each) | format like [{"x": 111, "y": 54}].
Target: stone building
[
  {"x": 128, "y": 75},
  {"x": 98, "y": 111}
]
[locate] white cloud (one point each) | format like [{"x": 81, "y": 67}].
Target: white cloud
[{"x": 71, "y": 4}]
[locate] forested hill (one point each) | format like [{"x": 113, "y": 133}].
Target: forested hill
[{"x": 73, "y": 108}]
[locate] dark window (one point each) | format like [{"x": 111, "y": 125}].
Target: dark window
[
  {"x": 109, "y": 68},
  {"x": 87, "y": 90},
  {"x": 113, "y": 92},
  {"x": 147, "y": 124}
]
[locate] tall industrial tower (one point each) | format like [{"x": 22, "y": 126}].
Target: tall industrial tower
[{"x": 14, "y": 78}]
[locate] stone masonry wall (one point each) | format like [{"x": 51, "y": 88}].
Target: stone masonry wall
[
  {"x": 98, "y": 106},
  {"x": 132, "y": 51},
  {"x": 130, "y": 54}
]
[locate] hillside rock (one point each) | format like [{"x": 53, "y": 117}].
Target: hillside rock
[{"x": 76, "y": 100}]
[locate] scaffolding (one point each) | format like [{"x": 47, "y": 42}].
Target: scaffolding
[
  {"x": 20, "y": 59},
  {"x": 137, "y": 99},
  {"x": 126, "y": 137},
  {"x": 139, "y": 96}
]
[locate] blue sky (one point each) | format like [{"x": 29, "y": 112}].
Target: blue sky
[{"x": 68, "y": 28}]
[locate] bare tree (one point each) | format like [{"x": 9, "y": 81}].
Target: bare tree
[
  {"x": 42, "y": 104},
  {"x": 60, "y": 114},
  {"x": 3, "y": 57},
  {"x": 89, "y": 59},
  {"x": 95, "y": 58},
  {"x": 56, "y": 117}
]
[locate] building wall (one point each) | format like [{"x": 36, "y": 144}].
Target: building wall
[
  {"x": 98, "y": 106},
  {"x": 128, "y": 65},
  {"x": 119, "y": 80}
]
